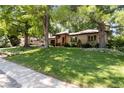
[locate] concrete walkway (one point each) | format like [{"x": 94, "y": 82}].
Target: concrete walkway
[
  {"x": 19, "y": 76},
  {"x": 7, "y": 82}
]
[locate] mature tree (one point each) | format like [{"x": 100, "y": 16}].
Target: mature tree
[
  {"x": 22, "y": 20},
  {"x": 99, "y": 15},
  {"x": 27, "y": 20},
  {"x": 43, "y": 17},
  {"x": 62, "y": 15},
  {"x": 69, "y": 18},
  {"x": 46, "y": 26},
  {"x": 39, "y": 20},
  {"x": 5, "y": 20}
]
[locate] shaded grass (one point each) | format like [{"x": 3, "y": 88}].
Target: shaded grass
[
  {"x": 84, "y": 68},
  {"x": 16, "y": 50}
]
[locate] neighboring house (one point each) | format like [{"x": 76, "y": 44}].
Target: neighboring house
[
  {"x": 52, "y": 40},
  {"x": 36, "y": 41},
  {"x": 32, "y": 41},
  {"x": 89, "y": 36}
]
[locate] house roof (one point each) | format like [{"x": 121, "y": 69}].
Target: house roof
[
  {"x": 60, "y": 33},
  {"x": 84, "y": 32},
  {"x": 52, "y": 37},
  {"x": 76, "y": 33}
]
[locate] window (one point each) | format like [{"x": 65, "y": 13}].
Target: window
[
  {"x": 91, "y": 38},
  {"x": 71, "y": 39},
  {"x": 76, "y": 39},
  {"x": 94, "y": 37},
  {"x": 88, "y": 38}
]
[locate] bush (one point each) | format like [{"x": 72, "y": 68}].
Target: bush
[
  {"x": 73, "y": 45},
  {"x": 87, "y": 45},
  {"x": 79, "y": 43},
  {"x": 116, "y": 42},
  {"x": 112, "y": 44},
  {"x": 51, "y": 46},
  {"x": 67, "y": 45},
  {"x": 93, "y": 44},
  {"x": 97, "y": 45},
  {"x": 14, "y": 40},
  {"x": 4, "y": 42},
  {"x": 57, "y": 44},
  {"x": 121, "y": 49}
]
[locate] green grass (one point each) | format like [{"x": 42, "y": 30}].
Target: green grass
[
  {"x": 74, "y": 65},
  {"x": 16, "y": 50}
]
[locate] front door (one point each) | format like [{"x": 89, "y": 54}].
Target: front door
[
  {"x": 53, "y": 42},
  {"x": 63, "y": 40}
]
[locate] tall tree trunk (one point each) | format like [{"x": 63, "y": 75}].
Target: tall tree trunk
[
  {"x": 46, "y": 24},
  {"x": 102, "y": 43},
  {"x": 26, "y": 40}
]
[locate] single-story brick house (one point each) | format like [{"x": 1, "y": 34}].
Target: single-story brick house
[{"x": 89, "y": 36}]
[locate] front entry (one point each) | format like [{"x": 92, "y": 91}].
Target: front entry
[
  {"x": 52, "y": 42},
  {"x": 63, "y": 40}
]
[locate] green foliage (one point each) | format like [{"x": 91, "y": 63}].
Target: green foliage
[
  {"x": 15, "y": 41},
  {"x": 59, "y": 12},
  {"x": 116, "y": 42},
  {"x": 69, "y": 19},
  {"x": 93, "y": 43},
  {"x": 2, "y": 28},
  {"x": 119, "y": 18},
  {"x": 95, "y": 14},
  {"x": 121, "y": 49},
  {"x": 79, "y": 43},
  {"x": 4, "y": 42},
  {"x": 19, "y": 19},
  {"x": 2, "y": 32},
  {"x": 67, "y": 45},
  {"x": 16, "y": 20},
  {"x": 73, "y": 44},
  {"x": 87, "y": 45}
]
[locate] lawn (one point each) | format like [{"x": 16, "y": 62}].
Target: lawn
[{"x": 86, "y": 68}]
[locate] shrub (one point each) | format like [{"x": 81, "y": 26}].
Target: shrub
[
  {"x": 87, "y": 45},
  {"x": 116, "y": 42},
  {"x": 67, "y": 45},
  {"x": 4, "y": 42},
  {"x": 121, "y": 49},
  {"x": 97, "y": 45},
  {"x": 51, "y": 46},
  {"x": 93, "y": 44},
  {"x": 57, "y": 44},
  {"x": 14, "y": 40},
  {"x": 73, "y": 45},
  {"x": 79, "y": 43}
]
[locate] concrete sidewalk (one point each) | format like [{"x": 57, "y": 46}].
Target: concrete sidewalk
[
  {"x": 28, "y": 78},
  {"x": 7, "y": 81}
]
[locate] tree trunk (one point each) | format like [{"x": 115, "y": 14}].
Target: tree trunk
[
  {"x": 102, "y": 43},
  {"x": 46, "y": 24},
  {"x": 26, "y": 40}
]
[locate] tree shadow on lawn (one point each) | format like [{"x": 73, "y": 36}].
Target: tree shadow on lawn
[
  {"x": 16, "y": 50},
  {"x": 84, "y": 68}
]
